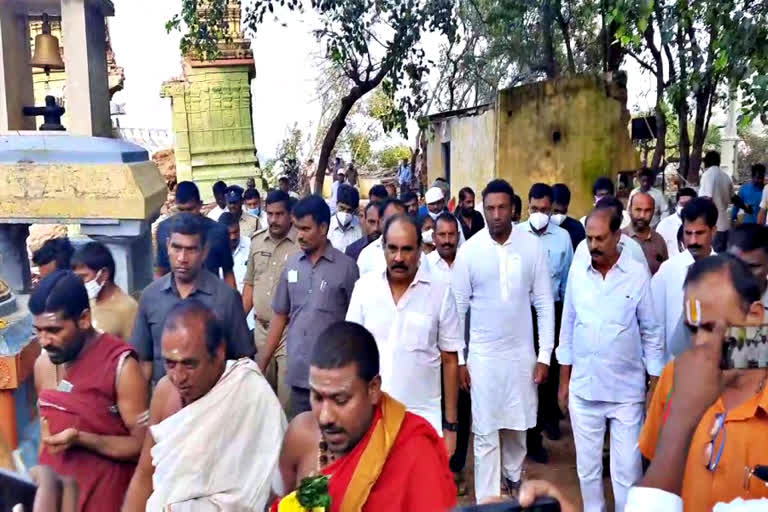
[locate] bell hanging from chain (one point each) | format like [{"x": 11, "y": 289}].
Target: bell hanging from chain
[{"x": 47, "y": 54}]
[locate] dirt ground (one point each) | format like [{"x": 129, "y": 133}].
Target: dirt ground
[{"x": 561, "y": 470}]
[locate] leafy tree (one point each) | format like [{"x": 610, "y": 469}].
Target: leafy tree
[
  {"x": 698, "y": 50},
  {"x": 206, "y": 25},
  {"x": 373, "y": 43},
  {"x": 391, "y": 156}
]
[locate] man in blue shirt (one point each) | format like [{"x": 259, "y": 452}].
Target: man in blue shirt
[
  {"x": 751, "y": 193},
  {"x": 404, "y": 176}
]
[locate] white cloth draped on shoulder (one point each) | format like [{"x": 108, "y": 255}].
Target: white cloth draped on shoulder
[{"x": 220, "y": 452}]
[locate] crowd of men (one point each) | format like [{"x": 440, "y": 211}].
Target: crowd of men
[{"x": 289, "y": 338}]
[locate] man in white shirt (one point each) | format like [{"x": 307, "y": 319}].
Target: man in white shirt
[
  {"x": 499, "y": 273},
  {"x": 446, "y": 238},
  {"x": 345, "y": 223},
  {"x": 220, "y": 195},
  {"x": 609, "y": 339},
  {"x": 647, "y": 178},
  {"x": 341, "y": 176},
  {"x": 669, "y": 226},
  {"x": 699, "y": 228},
  {"x": 557, "y": 243},
  {"x": 412, "y": 315},
  {"x": 749, "y": 243},
  {"x": 718, "y": 186},
  {"x": 241, "y": 248},
  {"x": 626, "y": 243},
  {"x": 372, "y": 257}
]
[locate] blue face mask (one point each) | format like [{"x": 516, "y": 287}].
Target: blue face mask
[{"x": 254, "y": 211}]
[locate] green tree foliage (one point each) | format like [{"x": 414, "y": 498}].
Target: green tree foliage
[
  {"x": 391, "y": 156},
  {"x": 697, "y": 51},
  {"x": 205, "y": 25}
]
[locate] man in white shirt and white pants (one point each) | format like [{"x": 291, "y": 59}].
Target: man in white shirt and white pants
[
  {"x": 608, "y": 340},
  {"x": 699, "y": 227},
  {"x": 499, "y": 273},
  {"x": 412, "y": 315},
  {"x": 718, "y": 186}
]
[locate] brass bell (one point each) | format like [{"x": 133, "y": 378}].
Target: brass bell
[{"x": 47, "y": 54}]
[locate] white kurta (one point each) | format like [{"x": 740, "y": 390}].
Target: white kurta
[
  {"x": 500, "y": 282},
  {"x": 410, "y": 335},
  {"x": 668, "y": 228}
]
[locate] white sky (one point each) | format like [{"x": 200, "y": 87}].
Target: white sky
[{"x": 284, "y": 88}]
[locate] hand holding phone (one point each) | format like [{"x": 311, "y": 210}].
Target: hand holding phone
[{"x": 539, "y": 505}]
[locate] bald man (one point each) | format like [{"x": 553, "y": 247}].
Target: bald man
[
  {"x": 641, "y": 210},
  {"x": 206, "y": 410}
]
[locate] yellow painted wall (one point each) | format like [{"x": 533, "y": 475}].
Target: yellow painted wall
[
  {"x": 473, "y": 150},
  {"x": 514, "y": 140},
  {"x": 594, "y": 138}
]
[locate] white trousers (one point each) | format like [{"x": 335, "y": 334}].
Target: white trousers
[
  {"x": 588, "y": 419},
  {"x": 504, "y": 449}
]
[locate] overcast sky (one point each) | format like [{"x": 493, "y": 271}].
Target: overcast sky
[{"x": 284, "y": 88}]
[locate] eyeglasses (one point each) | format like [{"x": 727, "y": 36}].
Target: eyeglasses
[
  {"x": 760, "y": 472},
  {"x": 714, "y": 450}
]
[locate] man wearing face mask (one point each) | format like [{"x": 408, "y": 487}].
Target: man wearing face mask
[
  {"x": 252, "y": 200},
  {"x": 93, "y": 398},
  {"x": 561, "y": 199},
  {"x": 557, "y": 243},
  {"x": 669, "y": 226},
  {"x": 435, "y": 202},
  {"x": 345, "y": 224},
  {"x": 112, "y": 310},
  {"x": 249, "y": 224}
]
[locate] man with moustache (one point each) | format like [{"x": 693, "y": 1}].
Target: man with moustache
[
  {"x": 669, "y": 226},
  {"x": 379, "y": 456},
  {"x": 411, "y": 202},
  {"x": 371, "y": 229},
  {"x": 270, "y": 249},
  {"x": 313, "y": 292},
  {"x": 699, "y": 230},
  {"x": 446, "y": 238},
  {"x": 412, "y": 315},
  {"x": 641, "y": 208},
  {"x": 609, "y": 339},
  {"x": 499, "y": 274},
  {"x": 93, "y": 398}
]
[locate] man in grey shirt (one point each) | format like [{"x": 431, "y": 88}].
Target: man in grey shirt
[
  {"x": 187, "y": 246},
  {"x": 313, "y": 293}
]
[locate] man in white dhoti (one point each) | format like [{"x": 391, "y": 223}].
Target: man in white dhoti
[
  {"x": 499, "y": 273},
  {"x": 609, "y": 338},
  {"x": 216, "y": 426}
]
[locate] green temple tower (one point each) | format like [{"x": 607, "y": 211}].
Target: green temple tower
[{"x": 212, "y": 116}]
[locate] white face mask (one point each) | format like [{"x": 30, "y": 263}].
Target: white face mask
[
  {"x": 254, "y": 211},
  {"x": 557, "y": 219},
  {"x": 433, "y": 215},
  {"x": 679, "y": 209},
  {"x": 538, "y": 220},
  {"x": 93, "y": 287},
  {"x": 344, "y": 218},
  {"x": 426, "y": 237}
]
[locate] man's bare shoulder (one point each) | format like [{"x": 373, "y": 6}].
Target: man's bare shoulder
[
  {"x": 165, "y": 401},
  {"x": 44, "y": 372},
  {"x": 302, "y": 436}
]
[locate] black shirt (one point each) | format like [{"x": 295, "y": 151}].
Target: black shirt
[
  {"x": 355, "y": 248},
  {"x": 219, "y": 253},
  {"x": 478, "y": 223},
  {"x": 575, "y": 229}
]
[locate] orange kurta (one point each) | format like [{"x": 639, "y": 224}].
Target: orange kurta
[{"x": 746, "y": 444}]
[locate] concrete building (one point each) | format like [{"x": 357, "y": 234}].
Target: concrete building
[{"x": 570, "y": 130}]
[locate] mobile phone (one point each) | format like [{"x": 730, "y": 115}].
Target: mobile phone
[
  {"x": 540, "y": 505},
  {"x": 15, "y": 489},
  {"x": 745, "y": 347}
]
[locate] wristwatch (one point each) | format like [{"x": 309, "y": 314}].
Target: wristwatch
[{"x": 450, "y": 427}]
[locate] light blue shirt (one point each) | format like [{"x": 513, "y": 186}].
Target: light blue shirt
[
  {"x": 404, "y": 175},
  {"x": 557, "y": 243},
  {"x": 610, "y": 333}
]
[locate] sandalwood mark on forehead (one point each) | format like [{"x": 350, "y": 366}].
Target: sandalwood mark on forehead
[{"x": 173, "y": 354}]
